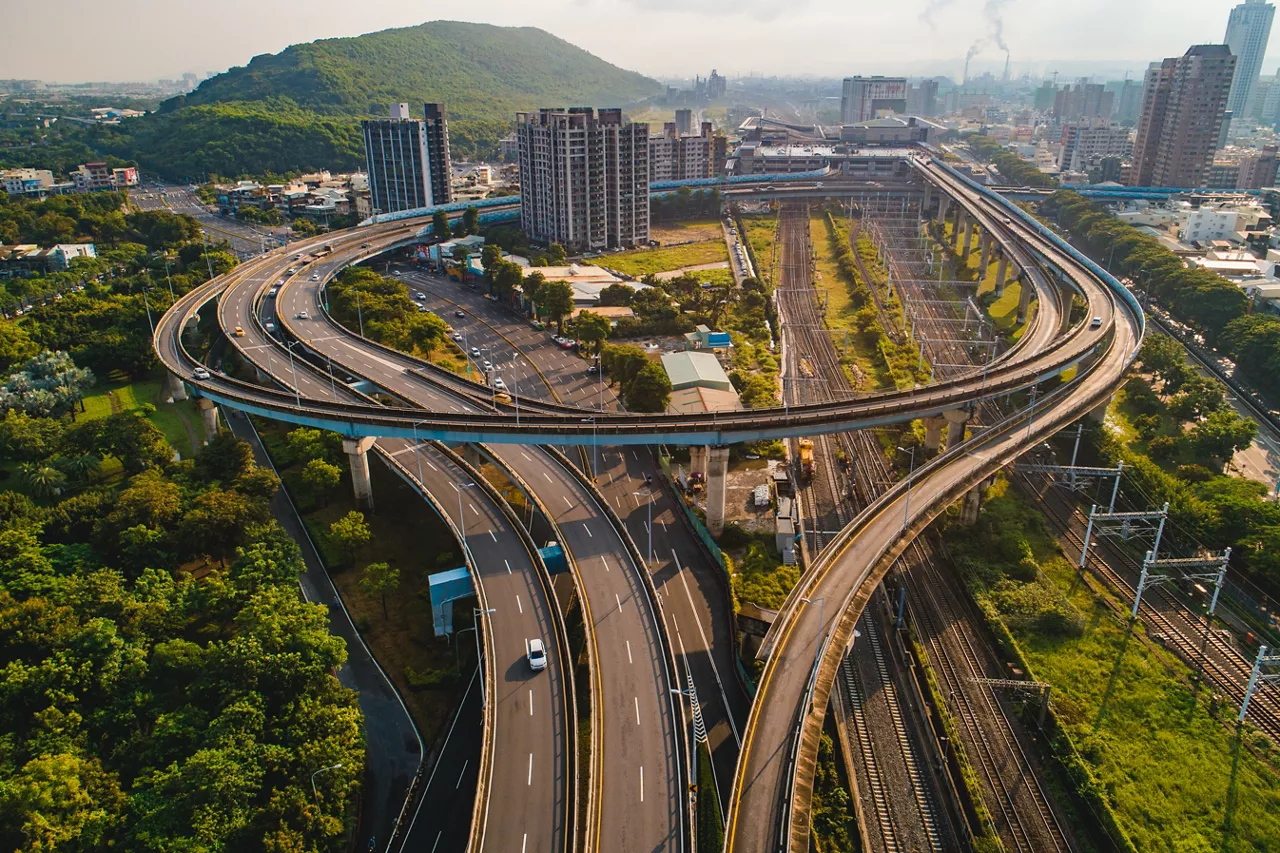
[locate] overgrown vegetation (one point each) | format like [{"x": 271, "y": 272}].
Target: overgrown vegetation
[
  {"x": 1010, "y": 165},
  {"x": 165, "y": 686},
  {"x": 380, "y": 308},
  {"x": 1146, "y": 752}
]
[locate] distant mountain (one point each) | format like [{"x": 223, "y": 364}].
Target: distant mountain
[{"x": 300, "y": 108}]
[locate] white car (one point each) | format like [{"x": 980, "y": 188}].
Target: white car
[
  {"x": 457, "y": 336},
  {"x": 269, "y": 326},
  {"x": 536, "y": 654},
  {"x": 302, "y": 315},
  {"x": 475, "y": 352},
  {"x": 499, "y": 384},
  {"x": 488, "y": 365},
  {"x": 315, "y": 277},
  {"x": 200, "y": 373}
]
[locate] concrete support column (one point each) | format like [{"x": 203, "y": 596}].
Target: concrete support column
[
  {"x": 1024, "y": 299},
  {"x": 177, "y": 391},
  {"x": 984, "y": 241},
  {"x": 957, "y": 222},
  {"x": 1098, "y": 413},
  {"x": 933, "y": 432},
  {"x": 1002, "y": 270},
  {"x": 717, "y": 480},
  {"x": 971, "y": 506},
  {"x": 357, "y": 450},
  {"x": 927, "y": 203},
  {"x": 956, "y": 419},
  {"x": 944, "y": 207},
  {"x": 968, "y": 240},
  {"x": 209, "y": 412},
  {"x": 698, "y": 460}
]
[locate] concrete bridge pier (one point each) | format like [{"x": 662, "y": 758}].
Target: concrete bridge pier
[
  {"x": 933, "y": 432},
  {"x": 944, "y": 207},
  {"x": 968, "y": 240},
  {"x": 1002, "y": 270},
  {"x": 1098, "y": 413},
  {"x": 956, "y": 419},
  {"x": 1024, "y": 299},
  {"x": 927, "y": 203},
  {"x": 357, "y": 450},
  {"x": 717, "y": 481},
  {"x": 209, "y": 411},
  {"x": 957, "y": 222},
  {"x": 971, "y": 505},
  {"x": 698, "y": 460},
  {"x": 984, "y": 242},
  {"x": 177, "y": 391}
]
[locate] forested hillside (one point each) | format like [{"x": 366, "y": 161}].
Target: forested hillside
[{"x": 300, "y": 108}]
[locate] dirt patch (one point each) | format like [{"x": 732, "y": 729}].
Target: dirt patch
[
  {"x": 740, "y": 486},
  {"x": 670, "y": 233}
]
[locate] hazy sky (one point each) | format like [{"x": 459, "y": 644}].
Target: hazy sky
[{"x": 75, "y": 40}]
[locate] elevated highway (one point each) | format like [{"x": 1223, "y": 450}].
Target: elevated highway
[{"x": 775, "y": 772}]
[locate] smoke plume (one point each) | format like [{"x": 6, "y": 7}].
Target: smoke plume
[{"x": 932, "y": 8}]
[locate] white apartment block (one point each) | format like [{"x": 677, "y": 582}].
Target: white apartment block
[
  {"x": 584, "y": 178},
  {"x": 1086, "y": 141},
  {"x": 673, "y": 157},
  {"x": 865, "y": 98}
]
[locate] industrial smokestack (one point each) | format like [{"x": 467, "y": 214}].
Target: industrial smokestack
[{"x": 1006, "y": 66}]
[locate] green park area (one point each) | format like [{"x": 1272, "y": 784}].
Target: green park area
[
  {"x": 643, "y": 262},
  {"x": 180, "y": 422}
]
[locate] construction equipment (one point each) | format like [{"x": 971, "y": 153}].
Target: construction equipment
[{"x": 806, "y": 459}]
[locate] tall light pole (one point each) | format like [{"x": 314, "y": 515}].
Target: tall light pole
[
  {"x": 648, "y": 495},
  {"x": 476, "y": 613},
  {"x": 314, "y": 792},
  {"x": 297, "y": 396},
  {"x": 462, "y": 522},
  {"x": 822, "y": 616},
  {"x": 906, "y": 510}
]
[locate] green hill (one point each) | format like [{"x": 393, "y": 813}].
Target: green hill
[{"x": 300, "y": 108}]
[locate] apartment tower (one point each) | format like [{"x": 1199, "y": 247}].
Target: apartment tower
[
  {"x": 1184, "y": 104},
  {"x": 1248, "y": 30},
  {"x": 584, "y": 178},
  {"x": 407, "y": 160},
  {"x": 864, "y": 98}
]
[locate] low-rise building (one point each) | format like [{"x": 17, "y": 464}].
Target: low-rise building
[
  {"x": 892, "y": 130},
  {"x": 27, "y": 258},
  {"x": 35, "y": 183}
]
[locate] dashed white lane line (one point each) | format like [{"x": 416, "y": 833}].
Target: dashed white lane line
[
  {"x": 568, "y": 502},
  {"x": 473, "y": 508},
  {"x": 492, "y": 536},
  {"x": 588, "y": 529},
  {"x": 642, "y": 783},
  {"x": 548, "y": 476},
  {"x": 518, "y": 604},
  {"x": 508, "y": 562},
  {"x": 530, "y": 703},
  {"x": 629, "y": 660},
  {"x": 463, "y": 773},
  {"x": 530, "y": 782},
  {"x": 637, "y": 701},
  {"x": 606, "y": 563},
  {"x": 619, "y": 600}
]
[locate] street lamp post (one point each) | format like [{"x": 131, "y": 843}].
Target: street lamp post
[
  {"x": 906, "y": 511},
  {"x": 314, "y": 792},
  {"x": 462, "y": 522},
  {"x": 297, "y": 395},
  {"x": 648, "y": 495},
  {"x": 476, "y": 613},
  {"x": 822, "y": 616}
]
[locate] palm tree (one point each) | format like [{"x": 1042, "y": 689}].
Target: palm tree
[
  {"x": 80, "y": 467},
  {"x": 43, "y": 480}
]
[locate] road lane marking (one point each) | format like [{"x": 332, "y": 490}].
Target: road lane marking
[
  {"x": 437, "y": 844},
  {"x": 642, "y": 783},
  {"x": 530, "y": 769},
  {"x": 606, "y": 563},
  {"x": 545, "y": 474},
  {"x": 473, "y": 508},
  {"x": 619, "y": 600},
  {"x": 518, "y": 604},
  {"x": 629, "y": 660},
  {"x": 636, "y": 699},
  {"x": 492, "y": 536},
  {"x": 524, "y": 843},
  {"x": 463, "y": 773},
  {"x": 568, "y": 502},
  {"x": 508, "y": 562},
  {"x": 715, "y": 671},
  {"x": 588, "y": 529},
  {"x": 530, "y": 693}
]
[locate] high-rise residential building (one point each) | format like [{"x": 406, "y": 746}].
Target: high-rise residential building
[
  {"x": 1184, "y": 100},
  {"x": 407, "y": 159},
  {"x": 1044, "y": 97},
  {"x": 684, "y": 122},
  {"x": 1128, "y": 101},
  {"x": 922, "y": 100},
  {"x": 438, "y": 153},
  {"x": 864, "y": 98},
  {"x": 1086, "y": 143},
  {"x": 1248, "y": 30},
  {"x": 1082, "y": 102},
  {"x": 676, "y": 157},
  {"x": 584, "y": 178},
  {"x": 1258, "y": 170}
]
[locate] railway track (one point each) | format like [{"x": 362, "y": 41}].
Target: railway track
[
  {"x": 1027, "y": 820},
  {"x": 894, "y": 781}
]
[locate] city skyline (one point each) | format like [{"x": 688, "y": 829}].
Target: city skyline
[{"x": 925, "y": 37}]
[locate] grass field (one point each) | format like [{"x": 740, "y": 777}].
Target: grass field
[
  {"x": 1178, "y": 778},
  {"x": 686, "y": 231},
  {"x": 179, "y": 421},
  {"x": 870, "y": 373},
  {"x": 642, "y": 262},
  {"x": 760, "y": 233}
]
